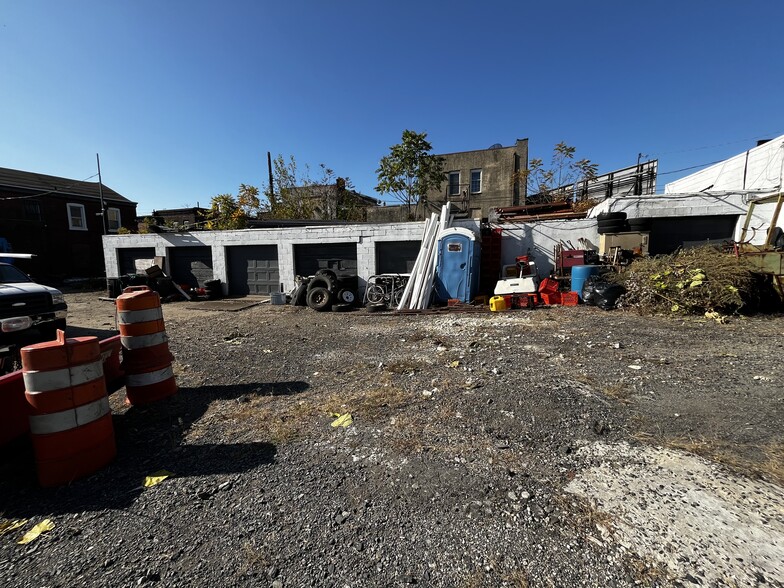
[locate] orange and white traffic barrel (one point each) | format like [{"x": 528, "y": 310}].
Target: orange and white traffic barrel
[
  {"x": 70, "y": 420},
  {"x": 145, "y": 346}
]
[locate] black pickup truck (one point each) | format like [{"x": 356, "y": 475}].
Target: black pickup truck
[{"x": 29, "y": 313}]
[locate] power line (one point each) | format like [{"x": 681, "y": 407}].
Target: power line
[
  {"x": 675, "y": 171},
  {"x": 774, "y": 133},
  {"x": 58, "y": 189}
]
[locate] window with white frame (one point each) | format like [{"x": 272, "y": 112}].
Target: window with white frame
[
  {"x": 113, "y": 219},
  {"x": 476, "y": 181},
  {"x": 454, "y": 183},
  {"x": 76, "y": 218}
]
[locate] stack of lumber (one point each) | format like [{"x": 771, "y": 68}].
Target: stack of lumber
[
  {"x": 532, "y": 212},
  {"x": 416, "y": 295}
]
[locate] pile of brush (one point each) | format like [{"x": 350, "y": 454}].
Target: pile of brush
[{"x": 696, "y": 281}]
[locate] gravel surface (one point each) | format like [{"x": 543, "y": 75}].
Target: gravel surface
[{"x": 555, "y": 447}]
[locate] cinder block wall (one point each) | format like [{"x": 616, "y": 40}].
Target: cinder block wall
[{"x": 365, "y": 237}]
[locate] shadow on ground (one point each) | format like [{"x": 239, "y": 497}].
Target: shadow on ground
[
  {"x": 87, "y": 332},
  {"x": 149, "y": 438}
]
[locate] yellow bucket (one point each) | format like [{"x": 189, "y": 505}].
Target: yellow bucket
[{"x": 497, "y": 303}]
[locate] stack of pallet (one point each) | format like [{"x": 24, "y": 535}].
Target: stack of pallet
[{"x": 417, "y": 294}]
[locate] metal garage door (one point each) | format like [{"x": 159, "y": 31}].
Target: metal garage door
[
  {"x": 253, "y": 269},
  {"x": 668, "y": 234},
  {"x": 396, "y": 257},
  {"x": 191, "y": 265},
  {"x": 340, "y": 257},
  {"x": 128, "y": 257}
]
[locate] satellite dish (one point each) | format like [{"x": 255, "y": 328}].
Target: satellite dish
[{"x": 496, "y": 146}]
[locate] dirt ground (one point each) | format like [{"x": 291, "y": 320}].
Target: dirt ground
[{"x": 553, "y": 447}]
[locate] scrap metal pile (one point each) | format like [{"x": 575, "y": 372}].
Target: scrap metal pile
[
  {"x": 325, "y": 290},
  {"x": 531, "y": 212}
]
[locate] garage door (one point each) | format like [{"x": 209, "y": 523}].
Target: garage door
[
  {"x": 396, "y": 257},
  {"x": 191, "y": 265},
  {"x": 253, "y": 269},
  {"x": 340, "y": 257},
  {"x": 128, "y": 259},
  {"x": 668, "y": 234}
]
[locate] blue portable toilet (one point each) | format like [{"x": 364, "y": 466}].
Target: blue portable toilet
[{"x": 457, "y": 268}]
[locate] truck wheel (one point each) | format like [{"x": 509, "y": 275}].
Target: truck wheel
[
  {"x": 346, "y": 296},
  {"x": 319, "y": 299}
]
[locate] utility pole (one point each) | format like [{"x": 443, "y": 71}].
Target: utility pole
[
  {"x": 638, "y": 176},
  {"x": 100, "y": 194},
  {"x": 103, "y": 218},
  {"x": 269, "y": 169}
]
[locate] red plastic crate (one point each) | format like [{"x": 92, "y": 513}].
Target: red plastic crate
[
  {"x": 551, "y": 298},
  {"x": 570, "y": 298},
  {"x": 548, "y": 286}
]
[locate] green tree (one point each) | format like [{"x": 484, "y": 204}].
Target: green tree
[
  {"x": 294, "y": 195},
  {"x": 232, "y": 212},
  {"x": 551, "y": 184},
  {"x": 285, "y": 198},
  {"x": 410, "y": 170}
]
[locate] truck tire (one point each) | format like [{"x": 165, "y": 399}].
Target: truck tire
[
  {"x": 322, "y": 281},
  {"x": 319, "y": 298},
  {"x": 606, "y": 216},
  {"x": 327, "y": 272},
  {"x": 640, "y": 225},
  {"x": 298, "y": 298},
  {"x": 612, "y": 226},
  {"x": 346, "y": 296}
]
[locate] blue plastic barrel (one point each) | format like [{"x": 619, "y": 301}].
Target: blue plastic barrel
[{"x": 580, "y": 273}]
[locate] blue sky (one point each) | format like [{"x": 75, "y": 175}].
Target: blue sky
[{"x": 183, "y": 99}]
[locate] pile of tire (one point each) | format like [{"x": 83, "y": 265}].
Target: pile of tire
[
  {"x": 326, "y": 291},
  {"x": 612, "y": 222},
  {"x": 616, "y": 222},
  {"x": 640, "y": 224},
  {"x": 213, "y": 288}
]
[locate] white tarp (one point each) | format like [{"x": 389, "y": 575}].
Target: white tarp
[{"x": 758, "y": 169}]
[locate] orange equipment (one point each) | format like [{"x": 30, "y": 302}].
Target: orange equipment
[
  {"x": 145, "y": 346},
  {"x": 70, "y": 419}
]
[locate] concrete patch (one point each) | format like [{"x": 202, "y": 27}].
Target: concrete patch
[
  {"x": 226, "y": 305},
  {"x": 707, "y": 525}
]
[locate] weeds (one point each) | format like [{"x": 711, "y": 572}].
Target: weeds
[
  {"x": 619, "y": 391},
  {"x": 282, "y": 419},
  {"x": 647, "y": 573},
  {"x": 517, "y": 579},
  {"x": 693, "y": 281},
  {"x": 253, "y": 558},
  {"x": 759, "y": 461}
]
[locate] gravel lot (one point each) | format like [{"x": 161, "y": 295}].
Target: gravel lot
[{"x": 555, "y": 447}]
